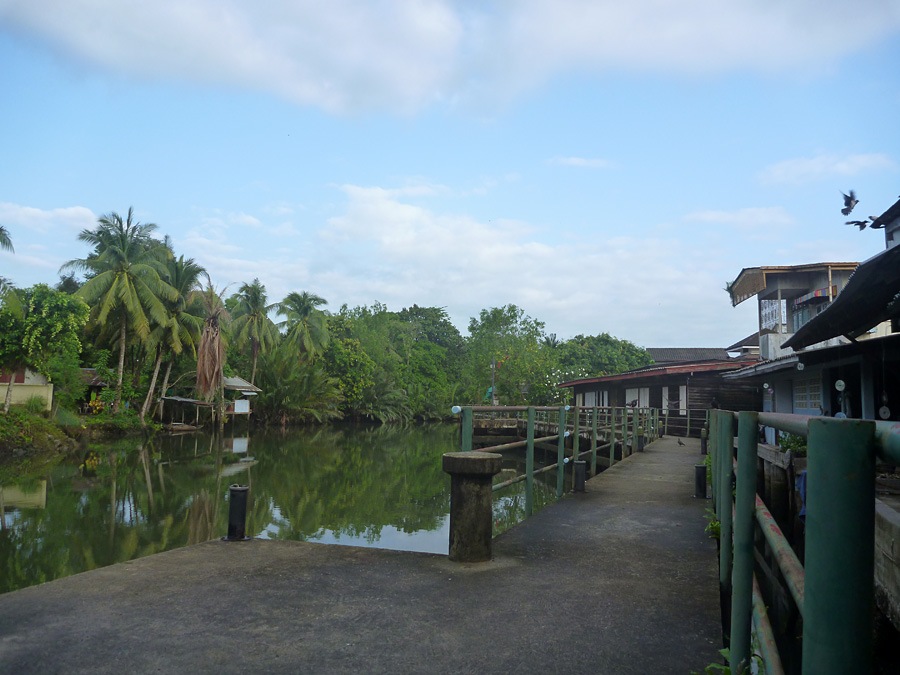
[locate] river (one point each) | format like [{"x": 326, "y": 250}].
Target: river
[{"x": 380, "y": 487}]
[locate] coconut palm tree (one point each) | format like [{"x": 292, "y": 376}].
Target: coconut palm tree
[
  {"x": 182, "y": 330},
  {"x": 252, "y": 325},
  {"x": 5, "y": 241},
  {"x": 125, "y": 280},
  {"x": 211, "y": 348},
  {"x": 305, "y": 324}
]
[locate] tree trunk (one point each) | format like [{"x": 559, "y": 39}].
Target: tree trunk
[
  {"x": 146, "y": 405},
  {"x": 118, "y": 400},
  {"x": 255, "y": 349},
  {"x": 163, "y": 389},
  {"x": 8, "y": 401}
]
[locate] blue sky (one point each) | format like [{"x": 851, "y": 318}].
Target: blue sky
[{"x": 606, "y": 166}]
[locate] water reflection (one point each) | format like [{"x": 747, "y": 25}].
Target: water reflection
[{"x": 372, "y": 487}]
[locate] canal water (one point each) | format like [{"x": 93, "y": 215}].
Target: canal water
[{"x": 381, "y": 487}]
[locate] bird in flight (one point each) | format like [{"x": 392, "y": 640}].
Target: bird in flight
[
  {"x": 861, "y": 224},
  {"x": 849, "y": 202}
]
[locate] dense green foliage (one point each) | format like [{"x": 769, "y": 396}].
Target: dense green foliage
[{"x": 141, "y": 304}]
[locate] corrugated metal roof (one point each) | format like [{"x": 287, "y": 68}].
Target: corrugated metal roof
[
  {"x": 672, "y": 369},
  {"x": 662, "y": 355},
  {"x": 240, "y": 384},
  {"x": 872, "y": 295}
]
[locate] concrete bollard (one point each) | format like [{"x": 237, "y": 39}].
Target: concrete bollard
[
  {"x": 640, "y": 439},
  {"x": 471, "y": 512},
  {"x": 703, "y": 440},
  {"x": 580, "y": 475},
  {"x": 237, "y": 513}
]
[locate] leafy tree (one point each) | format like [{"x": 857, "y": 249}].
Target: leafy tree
[
  {"x": 251, "y": 324},
  {"x": 305, "y": 325},
  {"x": 602, "y": 354},
  {"x": 68, "y": 283},
  {"x": 54, "y": 323},
  {"x": 509, "y": 342},
  {"x": 12, "y": 341},
  {"x": 347, "y": 361},
  {"x": 125, "y": 280}
]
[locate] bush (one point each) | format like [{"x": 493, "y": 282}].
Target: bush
[
  {"x": 793, "y": 443},
  {"x": 35, "y": 405}
]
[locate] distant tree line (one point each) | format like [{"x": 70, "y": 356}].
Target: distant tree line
[{"x": 153, "y": 323}]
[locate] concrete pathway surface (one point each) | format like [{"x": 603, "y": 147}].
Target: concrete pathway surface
[{"x": 619, "y": 579}]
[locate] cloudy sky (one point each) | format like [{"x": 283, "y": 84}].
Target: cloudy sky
[{"x": 606, "y": 166}]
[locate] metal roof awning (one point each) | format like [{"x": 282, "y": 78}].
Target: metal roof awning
[
  {"x": 872, "y": 295},
  {"x": 241, "y": 385}
]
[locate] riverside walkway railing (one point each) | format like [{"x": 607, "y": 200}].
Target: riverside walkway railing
[
  {"x": 598, "y": 429},
  {"x": 834, "y": 590}
]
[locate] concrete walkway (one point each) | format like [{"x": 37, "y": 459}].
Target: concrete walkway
[{"x": 619, "y": 579}]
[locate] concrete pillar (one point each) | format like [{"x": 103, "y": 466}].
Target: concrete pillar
[{"x": 471, "y": 513}]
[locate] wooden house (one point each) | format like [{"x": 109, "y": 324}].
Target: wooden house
[{"x": 683, "y": 382}]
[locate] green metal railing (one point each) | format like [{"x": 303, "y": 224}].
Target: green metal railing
[
  {"x": 834, "y": 591},
  {"x": 600, "y": 427}
]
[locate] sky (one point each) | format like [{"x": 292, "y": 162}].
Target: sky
[{"x": 605, "y": 166}]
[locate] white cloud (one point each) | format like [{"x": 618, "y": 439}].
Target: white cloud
[
  {"x": 583, "y": 162},
  {"x": 43, "y": 221},
  {"x": 749, "y": 218},
  {"x": 346, "y": 55},
  {"x": 658, "y": 291},
  {"x": 808, "y": 169}
]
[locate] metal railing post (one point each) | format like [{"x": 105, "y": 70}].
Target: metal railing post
[
  {"x": 687, "y": 433},
  {"x": 561, "y": 453},
  {"x": 624, "y": 430},
  {"x": 840, "y": 542},
  {"x": 466, "y": 426},
  {"x": 635, "y": 413},
  {"x": 726, "y": 454},
  {"x": 742, "y": 577},
  {"x": 594, "y": 414},
  {"x": 576, "y": 429},
  {"x": 714, "y": 458},
  {"x": 612, "y": 436},
  {"x": 529, "y": 465}
]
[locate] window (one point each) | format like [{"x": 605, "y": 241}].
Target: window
[
  {"x": 639, "y": 394},
  {"x": 807, "y": 394},
  {"x": 590, "y": 399}
]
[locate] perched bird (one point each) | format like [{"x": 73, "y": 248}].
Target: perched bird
[
  {"x": 861, "y": 224},
  {"x": 680, "y": 442},
  {"x": 849, "y": 202},
  {"x": 633, "y": 404}
]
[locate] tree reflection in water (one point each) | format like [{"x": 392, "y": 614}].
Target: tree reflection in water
[{"x": 369, "y": 487}]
